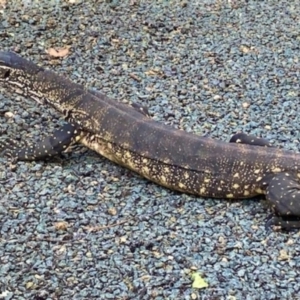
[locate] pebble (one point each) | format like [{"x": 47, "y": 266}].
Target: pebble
[{"x": 81, "y": 227}]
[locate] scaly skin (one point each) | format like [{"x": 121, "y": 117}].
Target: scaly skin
[{"x": 172, "y": 158}]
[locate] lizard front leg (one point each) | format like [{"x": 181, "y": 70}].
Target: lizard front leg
[{"x": 50, "y": 146}]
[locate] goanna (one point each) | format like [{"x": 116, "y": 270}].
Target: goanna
[{"x": 245, "y": 167}]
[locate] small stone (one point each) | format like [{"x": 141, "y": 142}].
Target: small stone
[
  {"x": 217, "y": 97},
  {"x": 112, "y": 211},
  {"x": 9, "y": 115},
  {"x": 245, "y": 105},
  {"x": 283, "y": 255}
]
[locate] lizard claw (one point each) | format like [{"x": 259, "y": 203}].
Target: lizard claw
[
  {"x": 272, "y": 221},
  {"x": 283, "y": 223}
]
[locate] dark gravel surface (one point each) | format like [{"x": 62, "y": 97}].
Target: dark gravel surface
[{"x": 81, "y": 227}]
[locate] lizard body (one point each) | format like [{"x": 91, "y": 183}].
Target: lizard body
[{"x": 245, "y": 167}]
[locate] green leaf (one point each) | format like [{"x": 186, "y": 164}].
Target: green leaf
[{"x": 198, "y": 281}]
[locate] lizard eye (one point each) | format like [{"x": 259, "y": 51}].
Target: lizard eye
[{"x": 6, "y": 74}]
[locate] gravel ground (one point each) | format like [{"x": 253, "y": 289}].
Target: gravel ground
[{"x": 81, "y": 227}]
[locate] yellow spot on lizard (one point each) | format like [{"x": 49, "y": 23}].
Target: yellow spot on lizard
[
  {"x": 246, "y": 193},
  {"x": 259, "y": 191}
]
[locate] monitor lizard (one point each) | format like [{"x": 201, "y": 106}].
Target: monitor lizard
[{"x": 125, "y": 134}]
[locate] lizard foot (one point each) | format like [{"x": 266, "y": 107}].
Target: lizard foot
[{"x": 283, "y": 192}]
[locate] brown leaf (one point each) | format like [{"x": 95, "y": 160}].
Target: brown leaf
[
  {"x": 58, "y": 52},
  {"x": 2, "y": 3}
]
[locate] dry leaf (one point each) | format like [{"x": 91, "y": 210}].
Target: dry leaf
[
  {"x": 2, "y": 3},
  {"x": 198, "y": 281},
  {"x": 58, "y": 52}
]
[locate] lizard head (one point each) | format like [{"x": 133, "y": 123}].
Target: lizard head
[
  {"x": 46, "y": 87},
  {"x": 18, "y": 74},
  {"x": 15, "y": 68}
]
